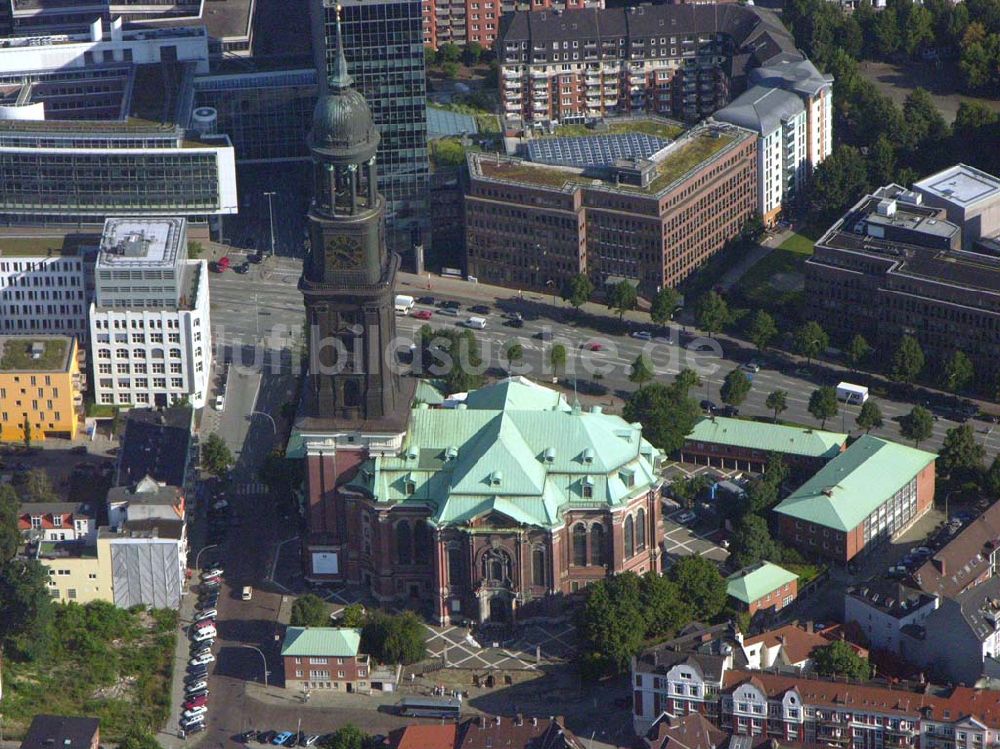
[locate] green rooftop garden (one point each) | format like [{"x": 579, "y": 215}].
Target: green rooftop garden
[
  {"x": 28, "y": 246},
  {"x": 524, "y": 171},
  {"x": 656, "y": 128},
  {"x": 17, "y": 354},
  {"x": 700, "y": 148}
]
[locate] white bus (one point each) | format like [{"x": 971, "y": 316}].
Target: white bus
[
  {"x": 850, "y": 393},
  {"x": 428, "y": 707}
]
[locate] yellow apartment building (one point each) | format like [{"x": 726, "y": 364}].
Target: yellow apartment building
[
  {"x": 78, "y": 573},
  {"x": 41, "y": 384}
]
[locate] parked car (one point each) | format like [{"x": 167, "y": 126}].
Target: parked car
[
  {"x": 207, "y": 633},
  {"x": 281, "y": 738},
  {"x": 512, "y": 322},
  {"x": 290, "y": 741},
  {"x": 730, "y": 411},
  {"x": 642, "y": 335},
  {"x": 311, "y": 739},
  {"x": 449, "y": 311},
  {"x": 707, "y": 405},
  {"x": 201, "y": 710},
  {"x": 751, "y": 366},
  {"x": 242, "y": 268},
  {"x": 423, "y": 314},
  {"x": 213, "y": 572},
  {"x": 479, "y": 309},
  {"x": 202, "y": 659},
  {"x": 425, "y": 300},
  {"x": 593, "y": 346},
  {"x": 196, "y": 686},
  {"x": 247, "y": 593},
  {"x": 192, "y": 702},
  {"x": 206, "y": 614},
  {"x": 194, "y": 723},
  {"x": 212, "y": 582},
  {"x": 200, "y": 672},
  {"x": 686, "y": 517},
  {"x": 247, "y": 736},
  {"x": 256, "y": 258},
  {"x": 265, "y": 737},
  {"x": 196, "y": 727},
  {"x": 196, "y": 693}
]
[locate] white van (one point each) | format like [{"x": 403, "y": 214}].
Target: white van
[
  {"x": 850, "y": 393},
  {"x": 404, "y": 304},
  {"x": 247, "y": 593},
  {"x": 476, "y": 323}
]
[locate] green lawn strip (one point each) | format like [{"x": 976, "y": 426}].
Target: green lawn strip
[
  {"x": 798, "y": 243},
  {"x": 806, "y": 572}
]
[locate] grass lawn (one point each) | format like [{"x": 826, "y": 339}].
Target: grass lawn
[
  {"x": 667, "y": 130},
  {"x": 798, "y": 243},
  {"x": 102, "y": 661},
  {"x": 17, "y": 354},
  {"x": 775, "y": 283},
  {"x": 806, "y": 572}
]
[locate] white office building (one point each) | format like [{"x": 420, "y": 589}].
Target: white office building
[
  {"x": 43, "y": 292},
  {"x": 149, "y": 322},
  {"x": 778, "y": 117}
]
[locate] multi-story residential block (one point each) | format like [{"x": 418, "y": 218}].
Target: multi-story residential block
[
  {"x": 863, "y": 498},
  {"x": 737, "y": 444},
  {"x": 41, "y": 388},
  {"x": 48, "y": 731},
  {"x": 779, "y": 119},
  {"x": 150, "y": 331},
  {"x": 763, "y": 587},
  {"x": 325, "y": 658},
  {"x": 156, "y": 444},
  {"x": 969, "y": 559},
  {"x": 468, "y": 21},
  {"x": 884, "y": 608},
  {"x": 45, "y": 291},
  {"x": 58, "y": 521},
  {"x": 789, "y": 647},
  {"x": 676, "y": 60},
  {"x": 651, "y": 219},
  {"x": 383, "y": 42},
  {"x": 896, "y": 264}
]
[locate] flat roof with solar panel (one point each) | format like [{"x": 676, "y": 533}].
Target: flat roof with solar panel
[{"x": 595, "y": 150}]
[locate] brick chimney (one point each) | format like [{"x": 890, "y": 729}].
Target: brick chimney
[
  {"x": 810, "y": 627},
  {"x": 940, "y": 564}
]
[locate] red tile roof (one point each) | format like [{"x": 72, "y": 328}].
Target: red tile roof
[
  {"x": 693, "y": 731},
  {"x": 961, "y": 561},
  {"x": 425, "y": 737}
]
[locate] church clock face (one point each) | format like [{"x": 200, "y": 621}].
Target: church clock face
[{"x": 343, "y": 253}]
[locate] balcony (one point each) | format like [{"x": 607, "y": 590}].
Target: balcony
[
  {"x": 511, "y": 75},
  {"x": 539, "y": 74},
  {"x": 539, "y": 106}
]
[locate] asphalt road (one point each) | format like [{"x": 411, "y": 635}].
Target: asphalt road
[{"x": 265, "y": 307}]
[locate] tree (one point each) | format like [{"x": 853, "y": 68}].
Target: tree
[
  {"x": 662, "y": 608},
  {"x": 751, "y": 541},
  {"x": 992, "y": 478},
  {"x": 353, "y": 615},
  {"x": 687, "y": 490},
  {"x": 215, "y": 455},
  {"x": 857, "y": 351},
  {"x": 908, "y": 361},
  {"x": 661, "y": 309},
  {"x": 450, "y": 69},
  {"x": 430, "y": 56},
  {"x": 449, "y": 52},
  {"x": 735, "y": 387},
  {"x": 35, "y": 486},
  {"x": 25, "y": 606},
  {"x": 642, "y": 371},
  {"x": 453, "y": 355},
  {"x": 810, "y": 340},
  {"x": 282, "y": 475},
  {"x": 310, "y": 611},
  {"x": 348, "y": 736},
  {"x": 713, "y": 313},
  {"x": 26, "y": 432},
  {"x": 700, "y": 585},
  {"x": 472, "y": 52},
  {"x": 839, "y": 659},
  {"x": 10, "y": 536},
  {"x": 394, "y": 639},
  {"x": 881, "y": 161},
  {"x": 578, "y": 290},
  {"x": 924, "y": 122},
  {"x": 869, "y": 417},
  {"x": 958, "y": 372},
  {"x": 686, "y": 379},
  {"x": 447, "y": 152},
  {"x": 838, "y": 181},
  {"x": 557, "y": 358},
  {"x": 777, "y": 401},
  {"x": 752, "y": 230},
  {"x": 917, "y": 425},
  {"x": 622, "y": 298},
  {"x": 514, "y": 353},
  {"x": 823, "y": 404},
  {"x": 762, "y": 330},
  {"x": 666, "y": 412},
  {"x": 195, "y": 249},
  {"x": 611, "y": 621},
  {"x": 960, "y": 452}
]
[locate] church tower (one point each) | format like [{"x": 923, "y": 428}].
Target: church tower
[{"x": 348, "y": 280}]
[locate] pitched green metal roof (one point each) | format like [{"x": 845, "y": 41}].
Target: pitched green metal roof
[
  {"x": 427, "y": 392},
  {"x": 848, "y": 488},
  {"x": 759, "y": 435},
  {"x": 335, "y": 642},
  {"x": 529, "y": 460},
  {"x": 753, "y": 583}
]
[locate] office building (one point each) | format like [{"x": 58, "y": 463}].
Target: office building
[
  {"x": 860, "y": 500},
  {"x": 468, "y": 21},
  {"x": 45, "y": 287},
  {"x": 150, "y": 330},
  {"x": 898, "y": 264},
  {"x": 684, "y": 61},
  {"x": 778, "y": 117},
  {"x": 649, "y": 212},
  {"x": 383, "y": 43},
  {"x": 41, "y": 388}
]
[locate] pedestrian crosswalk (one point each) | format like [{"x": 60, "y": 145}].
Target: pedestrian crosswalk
[{"x": 254, "y": 487}]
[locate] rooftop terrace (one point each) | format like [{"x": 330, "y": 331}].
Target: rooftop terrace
[
  {"x": 34, "y": 354},
  {"x": 42, "y": 246}
]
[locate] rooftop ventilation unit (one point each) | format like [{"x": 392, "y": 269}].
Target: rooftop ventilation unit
[{"x": 886, "y": 207}]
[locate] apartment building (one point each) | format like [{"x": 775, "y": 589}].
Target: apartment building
[
  {"x": 463, "y": 22},
  {"x": 684, "y": 61},
  {"x": 150, "y": 331},
  {"x": 41, "y": 388},
  {"x": 863, "y": 498},
  {"x": 651, "y": 217},
  {"x": 58, "y": 521},
  {"x": 969, "y": 559},
  {"x": 898, "y": 264},
  {"x": 44, "y": 291},
  {"x": 883, "y": 609}
]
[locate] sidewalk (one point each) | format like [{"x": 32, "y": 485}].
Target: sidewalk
[{"x": 169, "y": 736}]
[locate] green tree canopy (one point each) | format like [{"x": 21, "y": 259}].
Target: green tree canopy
[
  {"x": 810, "y": 340},
  {"x": 735, "y": 387},
  {"x": 10, "y": 536},
  {"x": 394, "y": 639},
  {"x": 869, "y": 417},
  {"x": 137, "y": 738},
  {"x": 215, "y": 455},
  {"x": 992, "y": 478},
  {"x": 578, "y": 290},
  {"x": 310, "y": 611},
  {"x": 35, "y": 486},
  {"x": 663, "y": 305},
  {"x": 858, "y": 350},
  {"x": 839, "y": 180},
  {"x": 348, "y": 736},
  {"x": 25, "y": 606},
  {"x": 642, "y": 371},
  {"x": 700, "y": 585},
  {"x": 960, "y": 452},
  {"x": 762, "y": 330},
  {"x": 450, "y": 52},
  {"x": 713, "y": 313},
  {"x": 777, "y": 401},
  {"x": 622, "y": 297},
  {"x": 917, "y": 425},
  {"x": 751, "y": 542},
  {"x": 611, "y": 621},
  {"x": 839, "y": 659},
  {"x": 958, "y": 372},
  {"x": 353, "y": 615},
  {"x": 557, "y": 358},
  {"x": 514, "y": 352},
  {"x": 908, "y": 360},
  {"x": 823, "y": 404},
  {"x": 666, "y": 412}
]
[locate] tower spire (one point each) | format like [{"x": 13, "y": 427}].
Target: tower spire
[{"x": 340, "y": 79}]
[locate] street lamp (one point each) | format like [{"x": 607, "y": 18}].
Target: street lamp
[
  {"x": 203, "y": 549},
  {"x": 274, "y": 427},
  {"x": 262, "y": 658},
  {"x": 270, "y": 213}
]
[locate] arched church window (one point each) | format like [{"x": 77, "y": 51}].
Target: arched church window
[
  {"x": 580, "y": 545},
  {"x": 404, "y": 543}
]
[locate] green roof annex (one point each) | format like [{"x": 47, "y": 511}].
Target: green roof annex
[
  {"x": 756, "y": 435},
  {"x": 851, "y": 486},
  {"x": 753, "y": 583},
  {"x": 331, "y": 642},
  {"x": 516, "y": 449}
]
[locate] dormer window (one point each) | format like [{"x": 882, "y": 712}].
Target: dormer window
[
  {"x": 496, "y": 478},
  {"x": 450, "y": 453},
  {"x": 627, "y": 475},
  {"x": 57, "y": 521},
  {"x": 549, "y": 455},
  {"x": 36, "y": 521},
  {"x": 409, "y": 487},
  {"x": 587, "y": 487},
  {"x": 588, "y": 455}
]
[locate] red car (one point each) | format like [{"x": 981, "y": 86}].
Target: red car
[
  {"x": 423, "y": 314},
  {"x": 196, "y": 702},
  {"x": 593, "y": 346}
]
